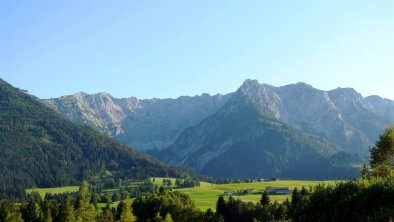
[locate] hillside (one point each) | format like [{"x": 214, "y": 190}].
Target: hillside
[
  {"x": 241, "y": 141},
  {"x": 39, "y": 147}
]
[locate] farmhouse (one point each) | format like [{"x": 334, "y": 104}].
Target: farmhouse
[
  {"x": 227, "y": 193},
  {"x": 278, "y": 190}
]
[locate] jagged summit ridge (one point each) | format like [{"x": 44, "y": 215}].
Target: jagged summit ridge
[
  {"x": 341, "y": 115},
  {"x": 145, "y": 124}
]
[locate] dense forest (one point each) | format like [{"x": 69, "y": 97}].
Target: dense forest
[{"x": 40, "y": 148}]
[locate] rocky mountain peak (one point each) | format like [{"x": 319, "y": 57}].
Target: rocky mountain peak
[
  {"x": 144, "y": 124},
  {"x": 342, "y": 115},
  {"x": 346, "y": 93}
]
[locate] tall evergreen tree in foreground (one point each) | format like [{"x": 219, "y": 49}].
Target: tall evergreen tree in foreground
[
  {"x": 126, "y": 215},
  {"x": 85, "y": 210},
  {"x": 265, "y": 199}
]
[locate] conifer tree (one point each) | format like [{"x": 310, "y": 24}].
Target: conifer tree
[
  {"x": 265, "y": 199},
  {"x": 157, "y": 217},
  {"x": 126, "y": 215},
  {"x": 85, "y": 211},
  {"x": 67, "y": 211},
  {"x": 168, "y": 218},
  {"x": 106, "y": 216},
  {"x": 9, "y": 212}
]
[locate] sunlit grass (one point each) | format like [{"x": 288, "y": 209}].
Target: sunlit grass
[
  {"x": 207, "y": 194},
  {"x": 55, "y": 190}
]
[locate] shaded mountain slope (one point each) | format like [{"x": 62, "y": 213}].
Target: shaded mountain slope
[
  {"x": 342, "y": 115},
  {"x": 38, "y": 147},
  {"x": 242, "y": 141}
]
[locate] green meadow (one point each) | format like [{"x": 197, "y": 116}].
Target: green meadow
[
  {"x": 55, "y": 190},
  {"x": 206, "y": 195}
]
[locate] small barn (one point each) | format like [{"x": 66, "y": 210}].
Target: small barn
[{"x": 278, "y": 190}]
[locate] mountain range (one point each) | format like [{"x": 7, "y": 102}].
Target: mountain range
[
  {"x": 150, "y": 124},
  {"x": 40, "y": 148},
  {"x": 259, "y": 130}
]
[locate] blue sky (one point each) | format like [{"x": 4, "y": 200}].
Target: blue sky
[{"x": 172, "y": 48}]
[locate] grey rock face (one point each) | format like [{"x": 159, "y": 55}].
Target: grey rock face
[
  {"x": 143, "y": 124},
  {"x": 384, "y": 108},
  {"x": 342, "y": 116},
  {"x": 242, "y": 142}
]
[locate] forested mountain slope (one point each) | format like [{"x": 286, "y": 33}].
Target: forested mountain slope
[{"x": 39, "y": 147}]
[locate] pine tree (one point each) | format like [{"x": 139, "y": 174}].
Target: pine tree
[
  {"x": 126, "y": 215},
  {"x": 265, "y": 199},
  {"x": 106, "y": 216},
  {"x": 31, "y": 211},
  {"x": 221, "y": 205},
  {"x": 9, "y": 212},
  {"x": 85, "y": 211},
  {"x": 157, "y": 217},
  {"x": 168, "y": 218},
  {"x": 67, "y": 211}
]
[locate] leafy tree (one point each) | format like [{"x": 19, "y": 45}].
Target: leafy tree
[
  {"x": 265, "y": 199},
  {"x": 382, "y": 154},
  {"x": 179, "y": 205}
]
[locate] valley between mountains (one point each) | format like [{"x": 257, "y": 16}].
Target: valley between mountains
[{"x": 258, "y": 131}]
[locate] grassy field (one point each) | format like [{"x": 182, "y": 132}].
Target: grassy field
[
  {"x": 56, "y": 190},
  {"x": 207, "y": 194}
]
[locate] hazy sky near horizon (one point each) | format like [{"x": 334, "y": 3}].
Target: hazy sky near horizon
[{"x": 171, "y": 48}]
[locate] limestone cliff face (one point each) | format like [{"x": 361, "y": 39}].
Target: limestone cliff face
[
  {"x": 143, "y": 124},
  {"x": 240, "y": 140},
  {"x": 342, "y": 116}
]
